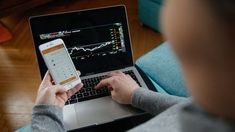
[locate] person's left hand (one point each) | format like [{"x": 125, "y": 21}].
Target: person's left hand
[{"x": 49, "y": 94}]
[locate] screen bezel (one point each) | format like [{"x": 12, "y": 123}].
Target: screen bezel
[{"x": 122, "y": 17}]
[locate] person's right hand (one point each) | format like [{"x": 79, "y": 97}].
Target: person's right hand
[{"x": 121, "y": 85}]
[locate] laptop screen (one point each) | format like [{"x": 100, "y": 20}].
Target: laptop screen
[{"x": 97, "y": 40}]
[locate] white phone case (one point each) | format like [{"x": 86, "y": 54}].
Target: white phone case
[{"x": 47, "y": 48}]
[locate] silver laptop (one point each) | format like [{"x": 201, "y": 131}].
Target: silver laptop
[{"x": 98, "y": 42}]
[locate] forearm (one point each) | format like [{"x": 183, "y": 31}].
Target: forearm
[
  {"x": 153, "y": 102},
  {"x": 47, "y": 118}
]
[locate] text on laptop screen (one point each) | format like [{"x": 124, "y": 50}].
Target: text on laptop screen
[{"x": 95, "y": 43}]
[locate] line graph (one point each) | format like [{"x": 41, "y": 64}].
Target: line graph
[
  {"x": 89, "y": 49},
  {"x": 97, "y": 42}
]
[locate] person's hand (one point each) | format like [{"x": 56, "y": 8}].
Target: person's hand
[
  {"x": 121, "y": 85},
  {"x": 50, "y": 94}
]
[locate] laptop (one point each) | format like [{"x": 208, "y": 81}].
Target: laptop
[{"x": 98, "y": 42}]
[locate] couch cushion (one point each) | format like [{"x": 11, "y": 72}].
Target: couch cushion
[
  {"x": 162, "y": 67},
  {"x": 149, "y": 13},
  {"x": 156, "y": 1},
  {"x": 26, "y": 128}
]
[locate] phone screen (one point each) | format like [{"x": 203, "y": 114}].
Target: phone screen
[{"x": 59, "y": 64}]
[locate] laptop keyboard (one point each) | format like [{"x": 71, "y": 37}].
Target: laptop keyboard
[{"x": 88, "y": 92}]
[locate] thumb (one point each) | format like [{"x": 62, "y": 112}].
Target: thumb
[{"x": 47, "y": 80}]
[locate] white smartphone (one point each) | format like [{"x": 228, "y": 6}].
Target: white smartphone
[{"x": 59, "y": 63}]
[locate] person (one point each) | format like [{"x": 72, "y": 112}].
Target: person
[{"x": 201, "y": 32}]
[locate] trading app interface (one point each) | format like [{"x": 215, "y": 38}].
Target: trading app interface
[{"x": 59, "y": 64}]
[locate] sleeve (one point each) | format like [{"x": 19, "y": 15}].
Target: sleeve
[
  {"x": 47, "y": 118},
  {"x": 153, "y": 102}
]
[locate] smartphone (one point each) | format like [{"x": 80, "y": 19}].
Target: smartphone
[{"x": 59, "y": 63}]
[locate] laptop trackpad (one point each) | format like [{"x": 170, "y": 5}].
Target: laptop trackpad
[{"x": 99, "y": 111}]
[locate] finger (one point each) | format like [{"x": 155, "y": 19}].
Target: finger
[
  {"x": 104, "y": 83},
  {"x": 115, "y": 73},
  {"x": 79, "y": 73},
  {"x": 64, "y": 97},
  {"x": 113, "y": 95},
  {"x": 109, "y": 88},
  {"x": 79, "y": 86},
  {"x": 128, "y": 76},
  {"x": 69, "y": 94},
  {"x": 75, "y": 89},
  {"x": 47, "y": 80},
  {"x": 119, "y": 72},
  {"x": 58, "y": 89}
]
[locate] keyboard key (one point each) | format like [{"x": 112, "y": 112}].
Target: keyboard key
[
  {"x": 93, "y": 93},
  {"x": 73, "y": 101},
  {"x": 82, "y": 90},
  {"x": 85, "y": 94},
  {"x": 66, "y": 103},
  {"x": 98, "y": 91},
  {"x": 106, "y": 90},
  {"x": 79, "y": 95},
  {"x": 88, "y": 89},
  {"x": 74, "y": 97}
]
